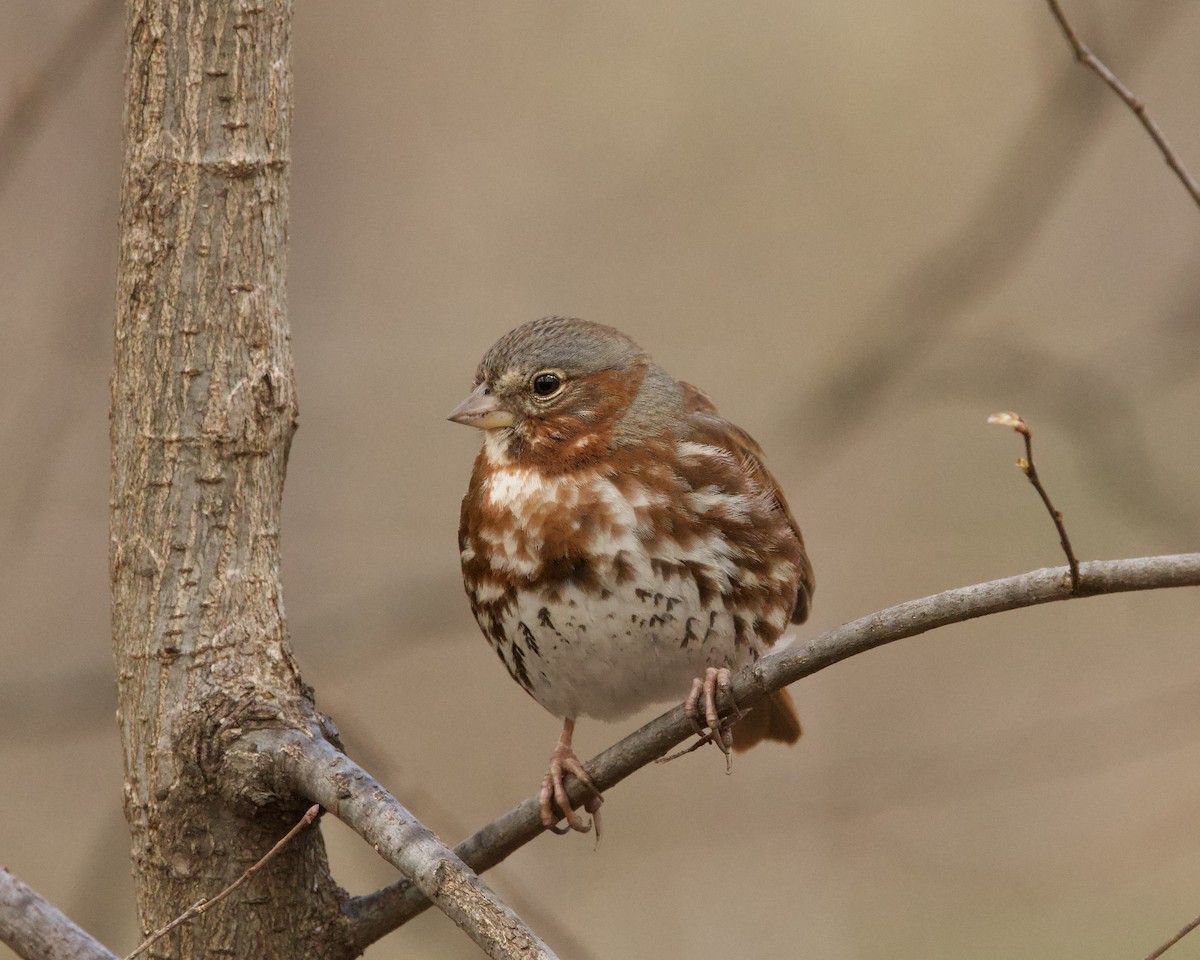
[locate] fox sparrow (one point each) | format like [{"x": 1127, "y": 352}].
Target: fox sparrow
[{"x": 620, "y": 541}]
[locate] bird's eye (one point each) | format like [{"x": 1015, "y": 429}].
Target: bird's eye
[{"x": 547, "y": 383}]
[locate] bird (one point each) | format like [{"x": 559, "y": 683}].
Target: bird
[{"x": 622, "y": 544}]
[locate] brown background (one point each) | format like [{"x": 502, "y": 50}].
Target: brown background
[{"x": 862, "y": 227}]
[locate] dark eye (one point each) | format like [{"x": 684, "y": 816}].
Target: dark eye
[{"x": 547, "y": 383}]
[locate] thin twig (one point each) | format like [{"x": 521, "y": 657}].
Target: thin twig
[
  {"x": 204, "y": 905},
  {"x": 1174, "y": 940},
  {"x": 1084, "y": 55},
  {"x": 1027, "y": 467},
  {"x": 702, "y": 740},
  {"x": 921, "y": 307},
  {"x": 381, "y": 912},
  {"x": 1119, "y": 460}
]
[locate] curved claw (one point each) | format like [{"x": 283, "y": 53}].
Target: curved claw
[
  {"x": 715, "y": 728},
  {"x": 553, "y": 793}
]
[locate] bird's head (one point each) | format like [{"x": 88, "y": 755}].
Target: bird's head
[{"x": 562, "y": 384}]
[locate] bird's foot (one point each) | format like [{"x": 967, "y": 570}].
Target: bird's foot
[
  {"x": 554, "y": 793},
  {"x": 710, "y": 724}
]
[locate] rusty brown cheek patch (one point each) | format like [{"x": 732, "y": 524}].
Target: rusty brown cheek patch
[{"x": 576, "y": 432}]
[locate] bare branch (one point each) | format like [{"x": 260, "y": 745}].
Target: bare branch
[
  {"x": 319, "y": 771},
  {"x": 203, "y": 906},
  {"x": 1084, "y": 55},
  {"x": 1174, "y": 940},
  {"x": 1030, "y": 470},
  {"x": 36, "y": 930},
  {"x": 381, "y": 912}
]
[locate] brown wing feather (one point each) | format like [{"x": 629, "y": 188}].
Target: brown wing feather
[
  {"x": 720, "y": 432},
  {"x": 774, "y": 717}
]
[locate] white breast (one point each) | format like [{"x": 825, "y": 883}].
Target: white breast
[
  {"x": 637, "y": 639},
  {"x": 602, "y": 656},
  {"x": 637, "y": 632}
]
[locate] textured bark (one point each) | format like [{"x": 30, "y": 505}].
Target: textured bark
[{"x": 203, "y": 411}]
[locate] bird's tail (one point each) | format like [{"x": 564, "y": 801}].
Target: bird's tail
[{"x": 773, "y": 718}]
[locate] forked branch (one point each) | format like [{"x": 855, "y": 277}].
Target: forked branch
[
  {"x": 319, "y": 771},
  {"x": 377, "y": 914}
]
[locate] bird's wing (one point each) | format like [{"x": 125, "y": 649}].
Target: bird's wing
[{"x": 711, "y": 428}]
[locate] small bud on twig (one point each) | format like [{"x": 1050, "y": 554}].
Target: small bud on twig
[
  {"x": 1026, "y": 465},
  {"x": 1009, "y": 420}
]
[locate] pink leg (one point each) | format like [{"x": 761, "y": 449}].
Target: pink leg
[{"x": 553, "y": 793}]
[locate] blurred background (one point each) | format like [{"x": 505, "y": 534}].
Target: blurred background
[{"x": 862, "y": 228}]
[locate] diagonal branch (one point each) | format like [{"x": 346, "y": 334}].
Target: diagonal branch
[
  {"x": 1191, "y": 925},
  {"x": 1084, "y": 54},
  {"x": 918, "y": 309},
  {"x": 319, "y": 771},
  {"x": 34, "y": 929},
  {"x": 381, "y": 912}
]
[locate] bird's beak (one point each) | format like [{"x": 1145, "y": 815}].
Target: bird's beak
[{"x": 481, "y": 410}]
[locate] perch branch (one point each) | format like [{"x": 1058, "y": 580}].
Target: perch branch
[
  {"x": 34, "y": 929},
  {"x": 1084, "y": 55},
  {"x": 381, "y": 912},
  {"x": 316, "y": 769},
  {"x": 204, "y": 905},
  {"x": 1030, "y": 470}
]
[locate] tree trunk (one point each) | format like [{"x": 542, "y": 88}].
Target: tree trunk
[{"x": 203, "y": 411}]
